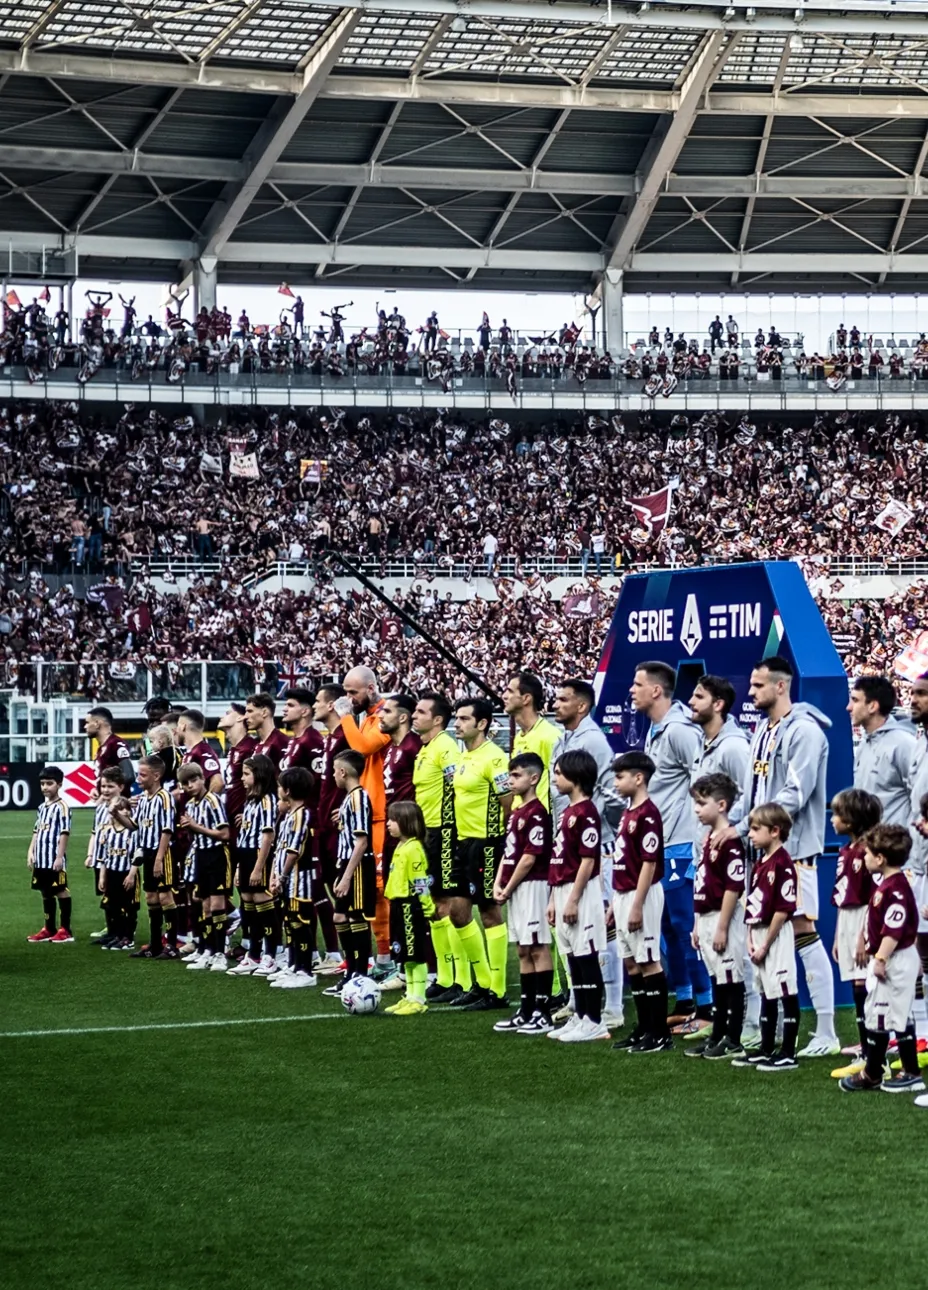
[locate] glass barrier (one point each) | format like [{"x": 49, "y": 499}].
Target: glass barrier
[{"x": 95, "y": 682}]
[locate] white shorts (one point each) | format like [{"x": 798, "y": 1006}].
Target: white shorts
[
  {"x": 807, "y": 895},
  {"x": 889, "y": 1002},
  {"x": 727, "y": 967},
  {"x": 851, "y": 923},
  {"x": 528, "y": 914},
  {"x": 919, "y": 885},
  {"x": 643, "y": 946},
  {"x": 776, "y": 976},
  {"x": 588, "y": 934}
]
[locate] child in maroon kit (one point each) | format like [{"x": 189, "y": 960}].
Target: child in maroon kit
[
  {"x": 894, "y": 965},
  {"x": 771, "y": 904},
  {"x": 853, "y": 814}
]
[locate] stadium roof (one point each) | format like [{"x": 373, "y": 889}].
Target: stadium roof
[{"x": 494, "y": 143}]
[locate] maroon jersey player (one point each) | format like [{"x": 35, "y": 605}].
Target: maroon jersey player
[
  {"x": 239, "y": 746},
  {"x": 638, "y": 902},
  {"x": 894, "y": 965},
  {"x": 769, "y": 911},
  {"x": 575, "y": 908},
  {"x": 259, "y": 718},
  {"x": 718, "y": 930},
  {"x": 399, "y": 758},
  {"x": 330, "y": 798},
  {"x": 522, "y": 880},
  {"x": 111, "y": 749}
]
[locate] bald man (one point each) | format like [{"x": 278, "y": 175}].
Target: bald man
[{"x": 359, "y": 712}]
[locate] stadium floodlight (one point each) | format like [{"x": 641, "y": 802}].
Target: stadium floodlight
[
  {"x": 459, "y": 23},
  {"x": 796, "y": 41},
  {"x": 750, "y": 14},
  {"x": 729, "y": 14}
]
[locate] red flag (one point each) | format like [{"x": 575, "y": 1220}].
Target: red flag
[
  {"x": 654, "y": 510},
  {"x": 45, "y": 295},
  {"x": 13, "y": 300},
  {"x": 912, "y": 663},
  {"x": 284, "y": 290}
]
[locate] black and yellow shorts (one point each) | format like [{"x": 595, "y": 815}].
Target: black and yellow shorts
[
  {"x": 362, "y": 898},
  {"x": 245, "y": 859},
  {"x": 476, "y": 863},
  {"x": 409, "y": 930},
  {"x": 439, "y": 852},
  {"x": 49, "y": 881},
  {"x": 212, "y": 872},
  {"x": 149, "y": 882}
]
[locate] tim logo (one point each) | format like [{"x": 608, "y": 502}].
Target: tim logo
[
  {"x": 733, "y": 620},
  {"x": 80, "y": 784}
]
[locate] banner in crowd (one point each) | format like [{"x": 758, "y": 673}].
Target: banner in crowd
[
  {"x": 313, "y": 471},
  {"x": 654, "y": 510},
  {"x": 582, "y": 604},
  {"x": 244, "y": 465},
  {"x": 894, "y": 517},
  {"x": 913, "y": 661}
]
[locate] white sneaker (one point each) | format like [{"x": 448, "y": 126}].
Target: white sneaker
[
  {"x": 281, "y": 975},
  {"x": 267, "y": 966},
  {"x": 614, "y": 1019},
  {"x": 331, "y": 965},
  {"x": 818, "y": 1047},
  {"x": 585, "y": 1031},
  {"x": 563, "y": 1014},
  {"x": 219, "y": 963},
  {"x": 750, "y": 1040},
  {"x": 244, "y": 968},
  {"x": 922, "y": 1101},
  {"x": 233, "y": 921},
  {"x": 283, "y": 957},
  {"x": 296, "y": 981},
  {"x": 200, "y": 962},
  {"x": 572, "y": 1022}
]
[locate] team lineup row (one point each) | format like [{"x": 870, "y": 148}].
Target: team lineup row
[{"x": 351, "y": 852}]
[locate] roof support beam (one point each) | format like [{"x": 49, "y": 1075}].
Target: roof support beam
[
  {"x": 274, "y": 135},
  {"x": 665, "y": 147}
]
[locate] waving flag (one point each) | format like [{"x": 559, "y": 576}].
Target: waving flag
[
  {"x": 284, "y": 290},
  {"x": 290, "y": 676},
  {"x": 654, "y": 510},
  {"x": 894, "y": 517},
  {"x": 913, "y": 661}
]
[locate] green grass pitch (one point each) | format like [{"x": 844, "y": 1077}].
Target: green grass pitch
[{"x": 318, "y": 1150}]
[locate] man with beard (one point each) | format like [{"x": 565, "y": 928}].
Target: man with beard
[
  {"x": 239, "y": 745},
  {"x": 673, "y": 743},
  {"x": 883, "y": 757},
  {"x": 363, "y": 702},
  {"x": 788, "y": 765},
  {"x": 111, "y": 749},
  {"x": 330, "y": 798}
]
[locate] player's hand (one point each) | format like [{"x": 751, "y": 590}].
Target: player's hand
[
  {"x": 101, "y": 885},
  {"x": 834, "y": 951},
  {"x": 610, "y": 914},
  {"x": 342, "y": 706},
  {"x": 719, "y": 941},
  {"x": 571, "y": 912},
  {"x": 129, "y": 880},
  {"x": 88, "y": 863},
  {"x": 727, "y": 835},
  {"x": 550, "y": 915},
  {"x": 759, "y": 953},
  {"x": 257, "y": 878},
  {"x": 185, "y": 822},
  {"x": 238, "y": 820},
  {"x": 879, "y": 969},
  {"x": 635, "y": 918},
  {"x": 694, "y": 939},
  {"x": 274, "y": 886},
  {"x": 861, "y": 958},
  {"x": 333, "y": 819},
  {"x": 158, "y": 869},
  {"x": 499, "y": 895},
  {"x": 30, "y": 863},
  {"x": 342, "y": 887},
  {"x": 58, "y": 865},
  {"x": 922, "y": 827}
]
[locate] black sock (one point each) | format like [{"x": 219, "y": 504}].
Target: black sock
[
  {"x": 860, "y": 998},
  {"x": 657, "y": 1005},
  {"x": 908, "y": 1049},
  {"x": 735, "y": 1020},
  {"x": 345, "y": 936},
  {"x": 218, "y": 936},
  {"x": 544, "y": 982},
  {"x": 362, "y": 947},
  {"x": 877, "y": 1044},
  {"x": 720, "y": 1006},
  {"x": 639, "y": 998},
  {"x": 580, "y": 982},
  {"x": 769, "y": 1009},
  {"x": 790, "y": 1025},
  {"x": 594, "y": 1008},
  {"x": 170, "y": 917},
  {"x": 204, "y": 932},
  {"x": 156, "y": 920},
  {"x": 49, "y": 907},
  {"x": 527, "y": 986},
  {"x": 64, "y": 904}
]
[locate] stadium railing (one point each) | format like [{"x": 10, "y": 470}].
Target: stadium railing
[{"x": 388, "y": 390}]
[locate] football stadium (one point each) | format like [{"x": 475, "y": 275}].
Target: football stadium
[{"x": 463, "y": 642}]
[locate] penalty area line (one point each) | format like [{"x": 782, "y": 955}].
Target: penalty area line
[{"x": 170, "y": 1025}]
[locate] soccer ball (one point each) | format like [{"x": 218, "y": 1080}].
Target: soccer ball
[{"x": 360, "y": 995}]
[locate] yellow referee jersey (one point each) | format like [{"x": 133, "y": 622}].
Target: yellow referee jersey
[{"x": 540, "y": 739}]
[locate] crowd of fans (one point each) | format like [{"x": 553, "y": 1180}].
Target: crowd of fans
[
  {"x": 79, "y": 495},
  {"x": 210, "y": 342}
]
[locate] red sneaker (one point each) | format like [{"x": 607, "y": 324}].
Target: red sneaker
[
  {"x": 62, "y": 937},
  {"x": 43, "y": 935}
]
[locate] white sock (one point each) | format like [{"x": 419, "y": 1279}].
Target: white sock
[
  {"x": 920, "y": 1013},
  {"x": 751, "y": 997},
  {"x": 821, "y": 986},
  {"x": 611, "y": 967}
]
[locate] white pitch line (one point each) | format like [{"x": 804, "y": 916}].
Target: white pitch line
[{"x": 170, "y": 1025}]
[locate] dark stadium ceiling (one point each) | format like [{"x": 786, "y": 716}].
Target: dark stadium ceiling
[{"x": 494, "y": 144}]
